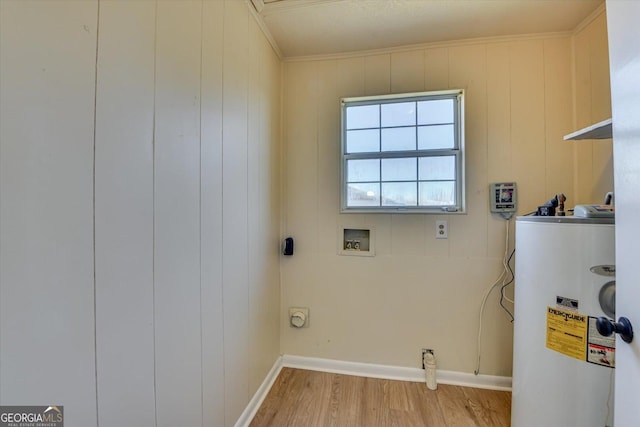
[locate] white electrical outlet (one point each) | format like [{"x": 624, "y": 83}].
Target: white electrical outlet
[{"x": 442, "y": 231}]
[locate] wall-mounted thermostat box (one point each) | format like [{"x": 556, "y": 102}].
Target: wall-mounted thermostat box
[
  {"x": 358, "y": 241},
  {"x": 503, "y": 197}
]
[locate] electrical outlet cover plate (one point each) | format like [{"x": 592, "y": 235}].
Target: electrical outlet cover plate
[
  {"x": 442, "y": 231},
  {"x": 299, "y": 317}
]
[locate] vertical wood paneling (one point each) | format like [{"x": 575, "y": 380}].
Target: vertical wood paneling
[
  {"x": 124, "y": 212},
  {"x": 377, "y": 74},
  {"x": 273, "y": 174},
  {"x": 211, "y": 246},
  {"x": 527, "y": 123},
  {"x": 498, "y": 113},
  {"x": 408, "y": 234},
  {"x": 329, "y": 140},
  {"x": 48, "y": 53},
  {"x": 593, "y": 159},
  {"x": 263, "y": 253},
  {"x": 3, "y": 135},
  {"x": 582, "y": 114},
  {"x": 254, "y": 137},
  {"x": 559, "y": 153},
  {"x": 174, "y": 174},
  {"x": 350, "y": 79},
  {"x": 599, "y": 69},
  {"x": 468, "y": 71},
  {"x": 407, "y": 71},
  {"x": 436, "y": 69},
  {"x": 302, "y": 143},
  {"x": 235, "y": 209},
  {"x": 602, "y": 170},
  {"x": 582, "y": 78},
  {"x": 512, "y": 90},
  {"x": 499, "y": 153},
  {"x": 304, "y": 183},
  {"x": 600, "y": 107},
  {"x": 177, "y": 214}
]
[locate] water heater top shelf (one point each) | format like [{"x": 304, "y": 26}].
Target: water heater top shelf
[{"x": 601, "y": 130}]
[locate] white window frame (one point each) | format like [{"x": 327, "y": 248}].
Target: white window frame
[{"x": 458, "y": 151}]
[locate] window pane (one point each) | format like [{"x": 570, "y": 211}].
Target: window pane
[
  {"x": 399, "y": 114},
  {"x": 399, "y": 169},
  {"x": 399, "y": 194},
  {"x": 399, "y": 139},
  {"x": 363, "y": 141},
  {"x": 363, "y": 170},
  {"x": 403, "y": 151},
  {"x": 437, "y": 193},
  {"x": 363, "y": 116},
  {"x": 434, "y": 137},
  {"x": 363, "y": 194},
  {"x": 437, "y": 168},
  {"x": 435, "y": 112}
]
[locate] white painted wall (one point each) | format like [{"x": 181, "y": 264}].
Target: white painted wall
[
  {"x": 418, "y": 291},
  {"x": 139, "y": 209},
  {"x": 47, "y": 81}
]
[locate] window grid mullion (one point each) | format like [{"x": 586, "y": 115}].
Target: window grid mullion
[
  {"x": 417, "y": 171},
  {"x": 401, "y": 154},
  {"x": 380, "y": 128}
]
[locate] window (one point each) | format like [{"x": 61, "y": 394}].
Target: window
[{"x": 403, "y": 153}]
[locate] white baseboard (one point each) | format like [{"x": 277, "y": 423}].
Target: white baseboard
[
  {"x": 490, "y": 382},
  {"x": 259, "y": 396},
  {"x": 370, "y": 370}
]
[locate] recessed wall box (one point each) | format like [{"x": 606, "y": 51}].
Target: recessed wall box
[{"x": 356, "y": 241}]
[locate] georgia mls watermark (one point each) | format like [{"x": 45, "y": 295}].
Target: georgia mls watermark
[{"x": 31, "y": 416}]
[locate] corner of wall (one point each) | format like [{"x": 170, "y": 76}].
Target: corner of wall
[{"x": 593, "y": 160}]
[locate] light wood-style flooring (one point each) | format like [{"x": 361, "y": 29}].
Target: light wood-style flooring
[{"x": 304, "y": 398}]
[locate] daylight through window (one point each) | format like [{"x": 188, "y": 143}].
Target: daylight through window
[{"x": 403, "y": 153}]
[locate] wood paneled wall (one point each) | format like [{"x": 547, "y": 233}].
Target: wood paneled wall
[
  {"x": 418, "y": 291},
  {"x": 140, "y": 205},
  {"x": 47, "y": 82},
  {"x": 139, "y": 211},
  {"x": 592, "y": 104}
]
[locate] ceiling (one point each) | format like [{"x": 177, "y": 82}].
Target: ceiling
[{"x": 303, "y": 28}]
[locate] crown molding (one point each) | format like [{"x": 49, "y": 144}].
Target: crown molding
[
  {"x": 589, "y": 19},
  {"x": 252, "y": 5},
  {"x": 430, "y": 45},
  {"x": 287, "y": 5}
]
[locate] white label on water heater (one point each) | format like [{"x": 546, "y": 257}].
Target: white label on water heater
[{"x": 601, "y": 350}]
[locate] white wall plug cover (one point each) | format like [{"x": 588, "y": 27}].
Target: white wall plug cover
[
  {"x": 299, "y": 317},
  {"x": 442, "y": 231}
]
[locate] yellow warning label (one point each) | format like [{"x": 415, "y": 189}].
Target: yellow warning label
[{"x": 567, "y": 332}]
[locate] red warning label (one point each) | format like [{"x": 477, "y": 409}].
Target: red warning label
[{"x": 601, "y": 350}]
